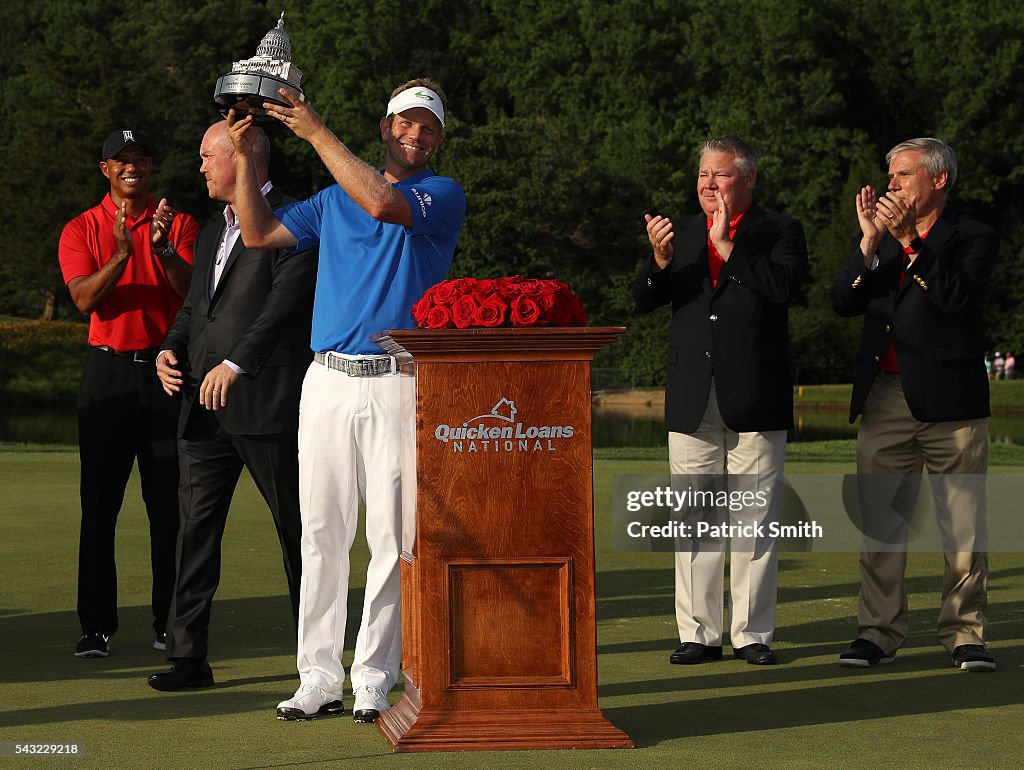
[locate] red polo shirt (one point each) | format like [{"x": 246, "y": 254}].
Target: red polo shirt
[{"x": 140, "y": 310}]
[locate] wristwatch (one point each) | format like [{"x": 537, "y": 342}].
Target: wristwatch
[
  {"x": 914, "y": 246},
  {"x": 166, "y": 251}
]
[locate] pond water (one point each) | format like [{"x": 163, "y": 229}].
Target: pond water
[
  {"x": 39, "y": 425},
  {"x": 644, "y": 425},
  {"x": 614, "y": 426}
]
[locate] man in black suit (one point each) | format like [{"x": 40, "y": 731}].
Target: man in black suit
[
  {"x": 238, "y": 349},
  {"x": 729, "y": 276},
  {"x": 918, "y": 278}
]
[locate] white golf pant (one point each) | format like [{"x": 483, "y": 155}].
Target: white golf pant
[{"x": 349, "y": 450}]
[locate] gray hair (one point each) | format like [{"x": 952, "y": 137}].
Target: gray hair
[
  {"x": 936, "y": 157},
  {"x": 743, "y": 153}
]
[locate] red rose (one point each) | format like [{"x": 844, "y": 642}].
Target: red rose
[
  {"x": 568, "y": 311},
  {"x": 525, "y": 312},
  {"x": 464, "y": 311},
  {"x": 421, "y": 309},
  {"x": 547, "y": 300},
  {"x": 507, "y": 287},
  {"x": 491, "y": 312},
  {"x": 444, "y": 293},
  {"x": 560, "y": 314},
  {"x": 439, "y": 318},
  {"x": 530, "y": 287},
  {"x": 490, "y": 302},
  {"x": 466, "y": 285}
]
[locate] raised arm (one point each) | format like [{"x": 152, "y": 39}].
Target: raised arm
[
  {"x": 260, "y": 229},
  {"x": 364, "y": 184}
]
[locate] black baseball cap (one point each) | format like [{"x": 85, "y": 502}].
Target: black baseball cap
[{"x": 123, "y": 137}]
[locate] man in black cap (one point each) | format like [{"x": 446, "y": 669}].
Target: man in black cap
[{"x": 127, "y": 264}]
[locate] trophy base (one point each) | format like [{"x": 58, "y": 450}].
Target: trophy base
[{"x": 247, "y": 92}]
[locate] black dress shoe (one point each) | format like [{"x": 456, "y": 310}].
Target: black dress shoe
[
  {"x": 756, "y": 654},
  {"x": 694, "y": 652},
  {"x": 183, "y": 673}
]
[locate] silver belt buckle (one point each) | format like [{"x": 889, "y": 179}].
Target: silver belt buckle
[
  {"x": 372, "y": 367},
  {"x": 359, "y": 367}
]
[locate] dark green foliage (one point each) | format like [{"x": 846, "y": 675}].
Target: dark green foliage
[
  {"x": 60, "y": 344},
  {"x": 568, "y": 122}
]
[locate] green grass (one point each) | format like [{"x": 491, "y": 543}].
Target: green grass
[
  {"x": 1006, "y": 395},
  {"x": 806, "y": 712}
]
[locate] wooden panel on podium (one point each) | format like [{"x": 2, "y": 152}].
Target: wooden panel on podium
[{"x": 499, "y": 647}]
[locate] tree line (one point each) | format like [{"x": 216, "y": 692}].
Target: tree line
[{"x": 568, "y": 121}]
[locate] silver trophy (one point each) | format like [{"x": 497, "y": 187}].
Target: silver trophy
[{"x": 254, "y": 81}]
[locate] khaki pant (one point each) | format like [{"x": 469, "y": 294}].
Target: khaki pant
[
  {"x": 748, "y": 462},
  {"x": 892, "y": 449}
]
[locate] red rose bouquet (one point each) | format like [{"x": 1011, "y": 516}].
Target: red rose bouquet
[{"x": 511, "y": 301}]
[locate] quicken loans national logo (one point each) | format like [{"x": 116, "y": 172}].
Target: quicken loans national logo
[{"x": 500, "y": 431}]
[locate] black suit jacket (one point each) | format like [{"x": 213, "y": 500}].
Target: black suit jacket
[
  {"x": 934, "y": 319},
  {"x": 258, "y": 318},
  {"x": 738, "y": 331}
]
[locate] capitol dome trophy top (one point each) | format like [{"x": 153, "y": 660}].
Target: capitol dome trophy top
[{"x": 254, "y": 81}]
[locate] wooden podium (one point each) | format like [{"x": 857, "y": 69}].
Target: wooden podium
[{"x": 499, "y": 646}]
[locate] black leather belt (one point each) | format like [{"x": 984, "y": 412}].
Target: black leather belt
[
  {"x": 147, "y": 356},
  {"x": 357, "y": 367}
]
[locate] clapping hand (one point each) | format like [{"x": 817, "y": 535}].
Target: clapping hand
[
  {"x": 160, "y": 227},
  {"x": 121, "y": 235},
  {"x": 719, "y": 232},
  {"x": 900, "y": 216},
  {"x": 872, "y": 223},
  {"x": 660, "y": 234}
]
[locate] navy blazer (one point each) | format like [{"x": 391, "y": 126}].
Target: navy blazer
[
  {"x": 934, "y": 318},
  {"x": 259, "y": 319},
  {"x": 737, "y": 331}
]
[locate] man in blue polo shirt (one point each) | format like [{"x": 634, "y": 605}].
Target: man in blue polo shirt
[{"x": 384, "y": 237}]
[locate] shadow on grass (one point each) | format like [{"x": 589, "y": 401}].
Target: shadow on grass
[
  {"x": 219, "y": 700},
  {"x": 831, "y": 636},
  {"x": 39, "y": 647},
  {"x": 650, "y": 593},
  {"x": 922, "y": 652},
  {"x": 914, "y": 685}
]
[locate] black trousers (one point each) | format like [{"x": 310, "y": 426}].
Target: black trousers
[
  {"x": 123, "y": 416},
  {"x": 211, "y": 462}
]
